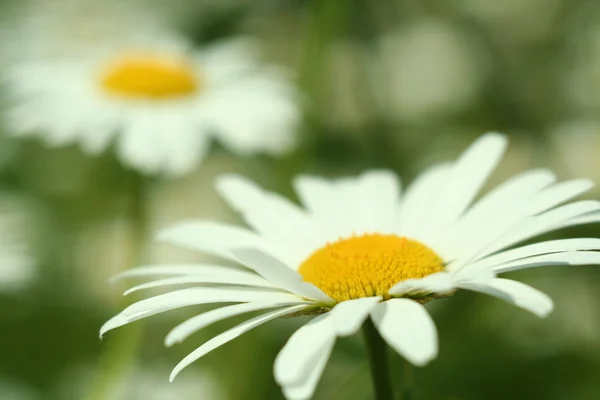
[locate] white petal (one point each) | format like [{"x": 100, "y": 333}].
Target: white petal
[
  {"x": 293, "y": 362},
  {"x": 325, "y": 202},
  {"x": 374, "y": 202},
  {"x": 367, "y": 203},
  {"x": 229, "y": 335},
  {"x": 277, "y": 272},
  {"x": 543, "y": 223},
  {"x": 183, "y": 143},
  {"x": 516, "y": 293},
  {"x": 210, "y": 237},
  {"x": 407, "y": 328},
  {"x": 242, "y": 278},
  {"x": 494, "y": 206},
  {"x": 557, "y": 194},
  {"x": 591, "y": 218},
  {"x": 468, "y": 175},
  {"x": 137, "y": 145},
  {"x": 536, "y": 249},
  {"x": 274, "y": 217},
  {"x": 195, "y": 296},
  {"x": 518, "y": 223},
  {"x": 227, "y": 59},
  {"x": 567, "y": 258},
  {"x": 348, "y": 316},
  {"x": 419, "y": 196},
  {"x": 441, "y": 282},
  {"x": 95, "y": 140},
  {"x": 175, "y": 269},
  {"x": 305, "y": 389},
  {"x": 194, "y": 324},
  {"x": 474, "y": 274},
  {"x": 261, "y": 102}
]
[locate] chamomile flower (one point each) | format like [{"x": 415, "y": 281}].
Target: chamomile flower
[
  {"x": 159, "y": 102},
  {"x": 362, "y": 248}
]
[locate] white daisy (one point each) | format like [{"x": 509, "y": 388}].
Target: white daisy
[
  {"x": 159, "y": 101},
  {"x": 360, "y": 248}
]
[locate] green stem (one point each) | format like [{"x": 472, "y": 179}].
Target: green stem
[
  {"x": 378, "y": 362},
  {"x": 120, "y": 350},
  {"x": 408, "y": 384}
]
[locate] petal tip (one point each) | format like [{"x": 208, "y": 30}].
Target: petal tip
[
  {"x": 226, "y": 179},
  {"x": 545, "y": 312},
  {"x": 170, "y": 341}
]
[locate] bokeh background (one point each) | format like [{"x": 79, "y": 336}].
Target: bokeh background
[{"x": 386, "y": 84}]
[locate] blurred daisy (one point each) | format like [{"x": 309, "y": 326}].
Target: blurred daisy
[
  {"x": 160, "y": 102},
  {"x": 360, "y": 248}
]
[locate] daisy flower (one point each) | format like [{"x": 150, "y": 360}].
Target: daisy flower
[
  {"x": 361, "y": 248},
  {"x": 158, "y": 100}
]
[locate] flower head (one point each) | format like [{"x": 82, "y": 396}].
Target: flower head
[
  {"x": 158, "y": 100},
  {"x": 361, "y": 248}
]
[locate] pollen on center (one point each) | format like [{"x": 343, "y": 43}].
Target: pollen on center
[
  {"x": 368, "y": 265},
  {"x": 151, "y": 76}
]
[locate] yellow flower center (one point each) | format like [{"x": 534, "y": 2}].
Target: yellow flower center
[
  {"x": 368, "y": 265},
  {"x": 150, "y": 76}
]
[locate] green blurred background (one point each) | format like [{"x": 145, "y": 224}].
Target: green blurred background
[{"x": 387, "y": 83}]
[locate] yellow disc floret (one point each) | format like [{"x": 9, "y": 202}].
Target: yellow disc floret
[
  {"x": 150, "y": 76},
  {"x": 368, "y": 265}
]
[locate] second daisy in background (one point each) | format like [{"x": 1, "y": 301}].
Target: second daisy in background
[{"x": 158, "y": 99}]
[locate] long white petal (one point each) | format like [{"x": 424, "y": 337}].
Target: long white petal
[
  {"x": 323, "y": 200},
  {"x": 543, "y": 223},
  {"x": 242, "y": 278},
  {"x": 440, "y": 282},
  {"x": 210, "y": 237},
  {"x": 276, "y": 218},
  {"x": 200, "y": 321},
  {"x": 419, "y": 196},
  {"x": 407, "y": 328},
  {"x": 591, "y": 218},
  {"x": 516, "y": 293},
  {"x": 517, "y": 216},
  {"x": 494, "y": 205},
  {"x": 468, "y": 175},
  {"x": 567, "y": 258},
  {"x": 375, "y": 202},
  {"x": 557, "y": 194},
  {"x": 302, "y": 348},
  {"x": 348, "y": 316},
  {"x": 305, "y": 389},
  {"x": 536, "y": 249},
  {"x": 277, "y": 272},
  {"x": 174, "y": 269},
  {"x": 183, "y": 143},
  {"x": 136, "y": 144},
  {"x": 229, "y": 335},
  {"x": 473, "y": 274},
  {"x": 195, "y": 296}
]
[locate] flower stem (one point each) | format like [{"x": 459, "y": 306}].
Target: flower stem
[
  {"x": 120, "y": 352},
  {"x": 378, "y": 362},
  {"x": 408, "y": 384}
]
